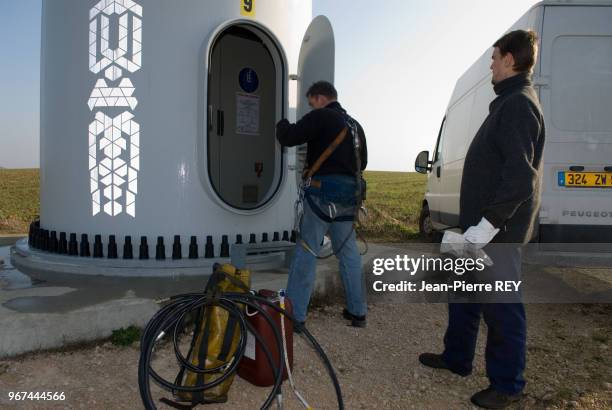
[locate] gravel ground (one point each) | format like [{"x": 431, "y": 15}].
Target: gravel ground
[{"x": 569, "y": 365}]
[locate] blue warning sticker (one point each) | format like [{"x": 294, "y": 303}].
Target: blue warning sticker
[{"x": 248, "y": 80}]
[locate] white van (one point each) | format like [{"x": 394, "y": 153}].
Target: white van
[{"x": 573, "y": 78}]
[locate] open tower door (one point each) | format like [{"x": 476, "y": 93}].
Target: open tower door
[
  {"x": 245, "y": 101},
  {"x": 316, "y": 63}
]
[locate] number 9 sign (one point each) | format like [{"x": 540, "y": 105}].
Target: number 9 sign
[{"x": 247, "y": 8}]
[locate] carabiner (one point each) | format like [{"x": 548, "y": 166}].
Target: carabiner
[
  {"x": 333, "y": 211},
  {"x": 306, "y": 183}
]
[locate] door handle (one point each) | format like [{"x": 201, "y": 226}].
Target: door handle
[
  {"x": 210, "y": 116},
  {"x": 220, "y": 123},
  {"x": 438, "y": 171}
]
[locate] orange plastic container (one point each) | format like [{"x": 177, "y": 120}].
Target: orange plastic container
[{"x": 254, "y": 366}]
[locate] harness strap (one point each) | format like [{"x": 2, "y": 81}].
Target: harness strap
[
  {"x": 326, "y": 218},
  {"x": 327, "y": 153},
  {"x": 228, "y": 338}
]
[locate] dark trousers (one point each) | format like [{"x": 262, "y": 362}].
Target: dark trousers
[{"x": 506, "y": 335}]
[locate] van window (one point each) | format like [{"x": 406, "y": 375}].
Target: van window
[
  {"x": 581, "y": 83},
  {"x": 440, "y": 141}
]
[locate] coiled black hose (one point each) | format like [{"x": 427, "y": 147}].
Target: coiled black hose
[{"x": 170, "y": 320}]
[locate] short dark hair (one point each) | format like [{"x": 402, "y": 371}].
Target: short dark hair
[
  {"x": 523, "y": 45},
  {"x": 322, "y": 88}
]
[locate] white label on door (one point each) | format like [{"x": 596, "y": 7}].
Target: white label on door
[
  {"x": 247, "y": 114},
  {"x": 249, "y": 350}
]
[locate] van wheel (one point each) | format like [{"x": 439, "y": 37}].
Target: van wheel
[{"x": 426, "y": 229}]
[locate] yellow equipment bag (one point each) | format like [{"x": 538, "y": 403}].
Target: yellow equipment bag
[{"x": 215, "y": 339}]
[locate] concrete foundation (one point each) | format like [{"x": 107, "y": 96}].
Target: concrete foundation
[{"x": 48, "y": 309}]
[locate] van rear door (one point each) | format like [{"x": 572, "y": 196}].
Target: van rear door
[{"x": 576, "y": 96}]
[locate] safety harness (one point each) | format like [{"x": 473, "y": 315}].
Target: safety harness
[{"x": 307, "y": 181}]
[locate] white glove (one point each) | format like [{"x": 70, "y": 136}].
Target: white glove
[
  {"x": 453, "y": 243},
  {"x": 481, "y": 234},
  {"x": 456, "y": 244}
]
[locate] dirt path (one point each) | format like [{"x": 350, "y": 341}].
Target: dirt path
[{"x": 569, "y": 365}]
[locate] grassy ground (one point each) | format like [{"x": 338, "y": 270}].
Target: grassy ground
[
  {"x": 19, "y": 199},
  {"x": 394, "y": 200}
]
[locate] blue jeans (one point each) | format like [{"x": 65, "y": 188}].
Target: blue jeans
[{"x": 312, "y": 230}]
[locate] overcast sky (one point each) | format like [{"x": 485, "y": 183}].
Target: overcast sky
[{"x": 397, "y": 62}]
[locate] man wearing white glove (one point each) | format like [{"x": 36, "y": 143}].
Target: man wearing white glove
[{"x": 499, "y": 199}]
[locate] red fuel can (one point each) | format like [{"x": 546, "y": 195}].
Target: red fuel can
[{"x": 254, "y": 366}]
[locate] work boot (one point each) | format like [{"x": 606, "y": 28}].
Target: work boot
[
  {"x": 490, "y": 398},
  {"x": 356, "y": 321},
  {"x": 436, "y": 361}
]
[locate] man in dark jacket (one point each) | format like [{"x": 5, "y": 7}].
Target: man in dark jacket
[
  {"x": 499, "y": 200},
  {"x": 330, "y": 201}
]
